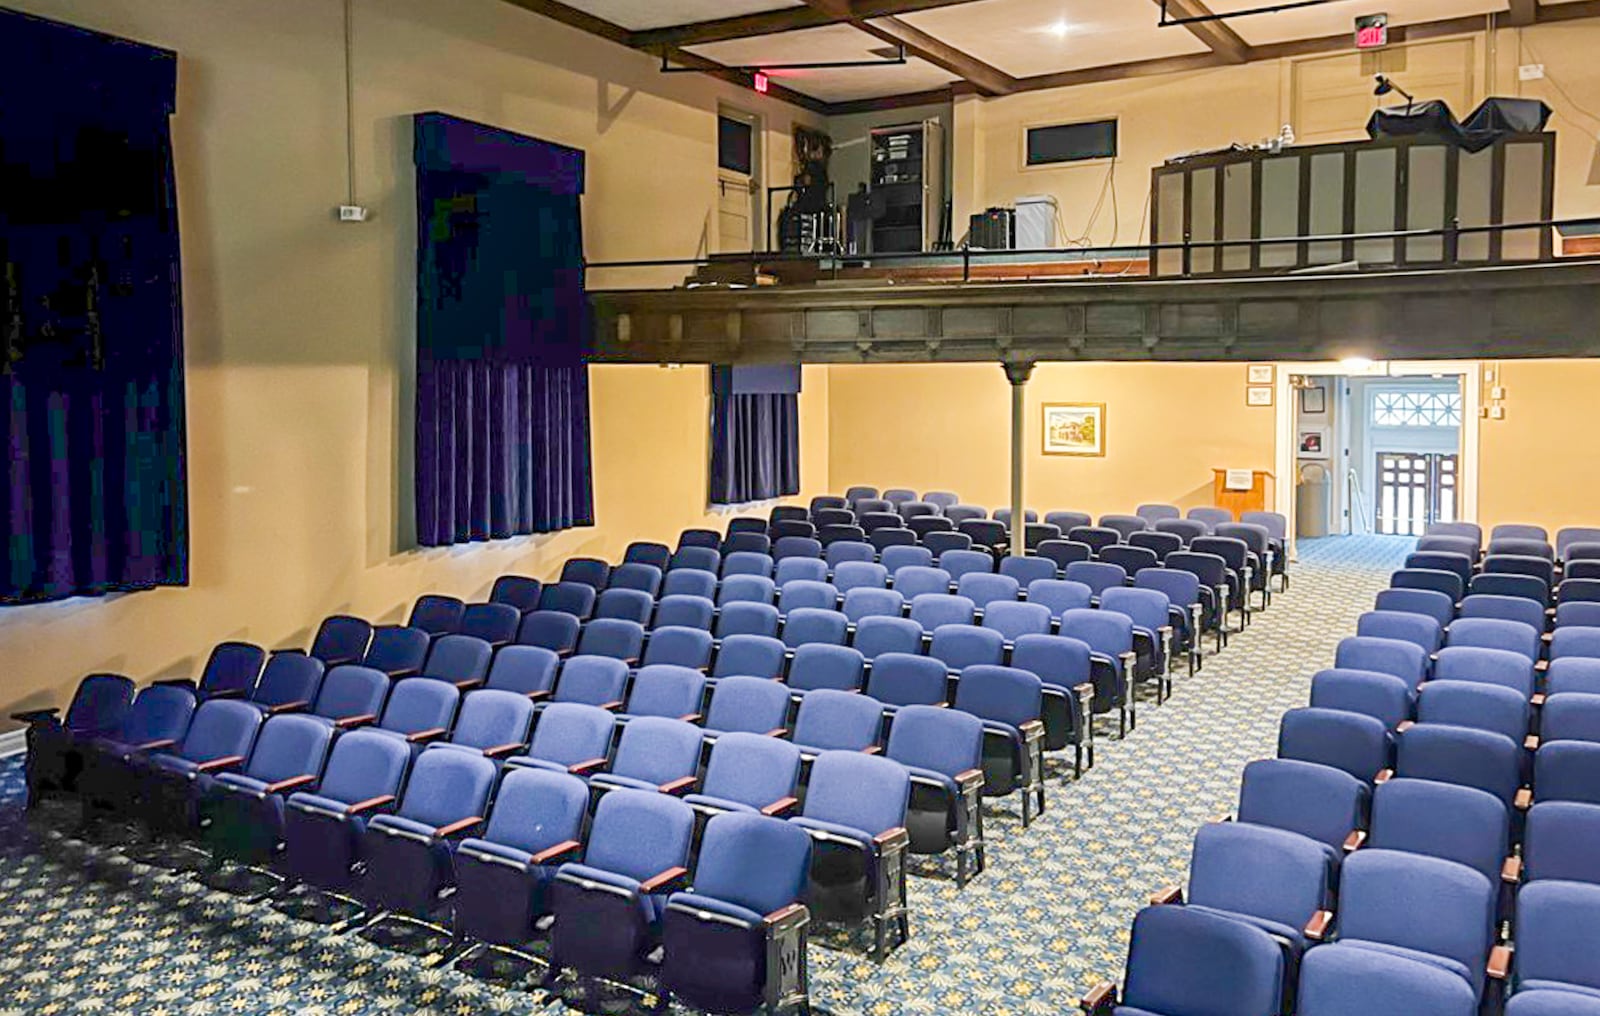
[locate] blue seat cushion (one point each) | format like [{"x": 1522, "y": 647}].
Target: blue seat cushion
[
  {"x": 833, "y": 828},
  {"x": 650, "y": 907},
  {"x": 716, "y": 906},
  {"x": 473, "y": 845},
  {"x": 529, "y": 762},
  {"x": 1414, "y": 955},
  {"x": 1128, "y": 1010},
  {"x": 1546, "y": 998},
  {"x": 404, "y": 825},
  {"x": 321, "y": 803},
  {"x": 629, "y": 782},
  {"x": 173, "y": 763},
  {"x": 719, "y": 803},
  {"x": 237, "y": 781}
]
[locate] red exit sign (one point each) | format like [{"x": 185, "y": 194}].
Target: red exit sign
[{"x": 1372, "y": 31}]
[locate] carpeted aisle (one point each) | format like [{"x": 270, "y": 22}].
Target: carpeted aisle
[{"x": 87, "y": 931}]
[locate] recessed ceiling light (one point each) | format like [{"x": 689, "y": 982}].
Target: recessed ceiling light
[{"x": 1059, "y": 29}]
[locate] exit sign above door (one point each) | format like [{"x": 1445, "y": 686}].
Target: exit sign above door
[{"x": 1372, "y": 31}]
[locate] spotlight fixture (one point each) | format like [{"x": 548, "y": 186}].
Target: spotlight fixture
[
  {"x": 1385, "y": 85},
  {"x": 1356, "y": 364}
]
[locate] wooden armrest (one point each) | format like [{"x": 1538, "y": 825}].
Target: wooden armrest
[
  {"x": 658, "y": 881},
  {"x": 1524, "y": 799},
  {"x": 541, "y": 693},
  {"x": 288, "y": 707},
  {"x": 1355, "y": 841},
  {"x": 1536, "y": 700},
  {"x": 355, "y": 721},
  {"x": 612, "y": 706},
  {"x": 967, "y": 775},
  {"x": 586, "y": 766},
  {"x": 1511, "y": 871},
  {"x": 631, "y": 661},
  {"x": 898, "y": 832},
  {"x": 551, "y": 853},
  {"x": 691, "y": 717},
  {"x": 779, "y": 806},
  {"x": 369, "y": 804},
  {"x": 872, "y": 749},
  {"x": 157, "y": 745},
  {"x": 1171, "y": 894},
  {"x": 502, "y": 750},
  {"x": 678, "y": 786},
  {"x": 1101, "y": 999},
  {"x": 426, "y": 735},
  {"x": 469, "y": 684},
  {"x": 1384, "y": 776},
  {"x": 445, "y": 832},
  {"x": 1499, "y": 966},
  {"x": 1404, "y": 725},
  {"x": 782, "y": 912},
  {"x": 291, "y": 783},
  {"x": 403, "y": 672},
  {"x": 226, "y": 693},
  {"x": 225, "y": 762},
  {"x": 1317, "y": 928},
  {"x": 778, "y": 732},
  {"x": 1531, "y": 742}
]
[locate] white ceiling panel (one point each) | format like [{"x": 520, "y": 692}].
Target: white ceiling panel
[
  {"x": 1340, "y": 16},
  {"x": 640, "y": 15},
  {"x": 835, "y": 42},
  {"x": 1028, "y": 37}
]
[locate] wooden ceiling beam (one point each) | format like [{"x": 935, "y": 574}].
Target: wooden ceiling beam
[
  {"x": 987, "y": 79},
  {"x": 1215, "y": 35},
  {"x": 790, "y": 19},
  {"x": 1521, "y": 14},
  {"x": 1552, "y": 13}
]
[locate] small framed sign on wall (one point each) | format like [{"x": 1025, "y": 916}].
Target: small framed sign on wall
[
  {"x": 1258, "y": 395},
  {"x": 1074, "y": 428}
]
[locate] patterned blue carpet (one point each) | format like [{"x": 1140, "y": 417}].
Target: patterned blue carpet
[{"x": 86, "y": 930}]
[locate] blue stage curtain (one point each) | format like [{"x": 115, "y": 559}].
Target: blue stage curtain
[
  {"x": 502, "y": 387},
  {"x": 755, "y": 433},
  {"x": 90, "y": 315}
]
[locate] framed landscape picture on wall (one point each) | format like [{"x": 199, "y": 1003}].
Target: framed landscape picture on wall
[{"x": 1074, "y": 428}]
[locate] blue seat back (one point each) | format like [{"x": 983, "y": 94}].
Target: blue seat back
[
  {"x": 877, "y": 635},
  {"x": 1266, "y": 873},
  {"x": 341, "y": 639},
  {"x": 702, "y": 557},
  {"x": 749, "y": 656},
  {"x": 592, "y": 680},
  {"x": 1460, "y": 824},
  {"x": 665, "y": 689},
  {"x": 492, "y": 622},
  {"x": 1059, "y": 595},
  {"x": 1504, "y": 608},
  {"x": 1202, "y": 964},
  {"x": 220, "y": 728},
  {"x": 859, "y": 574},
  {"x": 570, "y": 732},
  {"x": 625, "y": 604},
  {"x": 744, "y": 562},
  {"x": 645, "y": 578},
  {"x": 807, "y": 625},
  {"x": 100, "y": 705},
  {"x": 896, "y": 557},
  {"x": 682, "y": 610},
  {"x": 362, "y": 765},
  {"x": 679, "y": 645},
  {"x": 1146, "y": 607},
  {"x": 396, "y": 649},
  {"x": 984, "y": 588},
  {"x": 458, "y": 658},
  {"x": 1357, "y": 744},
  {"x": 1405, "y": 660},
  {"x": 1462, "y": 755},
  {"x": 1027, "y": 570},
  {"x": 912, "y": 581},
  {"x": 1446, "y": 582},
  {"x": 800, "y": 569},
  {"x": 1571, "y": 716},
  {"x": 964, "y": 562},
  {"x": 1462, "y": 545},
  {"x": 588, "y": 570},
  {"x": 657, "y": 749},
  {"x": 747, "y": 618},
  {"x": 575, "y": 598},
  {"x": 860, "y": 791},
  {"x": 959, "y": 646},
  {"x": 796, "y": 546},
  {"x": 1555, "y": 939},
  {"x": 1570, "y": 535},
  {"x": 1459, "y": 565},
  {"x": 863, "y": 602},
  {"x": 746, "y": 588},
  {"x": 847, "y": 551},
  {"x": 944, "y": 741},
  {"x": 523, "y": 669},
  {"x": 288, "y": 677},
  {"x": 1187, "y": 530},
  {"x": 643, "y": 552},
  {"x": 351, "y": 691},
  {"x": 1153, "y": 513},
  {"x": 807, "y": 593},
  {"x": 1493, "y": 633},
  {"x": 823, "y": 665},
  {"x": 1417, "y": 902},
  {"x": 905, "y": 679},
  {"x": 491, "y": 719},
  {"x": 753, "y": 861},
  {"x": 690, "y": 582},
  {"x": 517, "y": 591},
  {"x": 931, "y": 610},
  {"x": 1057, "y": 659},
  {"x": 1013, "y": 620},
  {"x": 290, "y": 746},
  {"x": 1097, "y": 575},
  {"x": 1469, "y": 530},
  {"x": 1064, "y": 552},
  {"x": 1574, "y": 673},
  {"x": 555, "y": 630},
  {"x": 959, "y": 513},
  {"x": 751, "y": 769},
  {"x": 1507, "y": 584},
  {"x": 447, "y": 786},
  {"x": 1567, "y": 771},
  {"x": 1006, "y": 695},
  {"x": 1419, "y": 630},
  {"x": 1575, "y": 641},
  {"x": 1488, "y": 666},
  {"x": 1473, "y": 704},
  {"x": 1382, "y": 696},
  {"x": 1131, "y": 560},
  {"x": 1106, "y": 631},
  {"x": 612, "y": 636},
  {"x": 838, "y": 720},
  {"x": 751, "y": 704},
  {"x": 415, "y": 706},
  {"x": 436, "y": 615},
  {"x": 1521, "y": 547},
  {"x": 535, "y": 809},
  {"x": 1313, "y": 800},
  {"x": 1559, "y": 842},
  {"x": 233, "y": 668},
  {"x": 1181, "y": 587},
  {"x": 1576, "y": 613},
  {"x": 1211, "y": 517}
]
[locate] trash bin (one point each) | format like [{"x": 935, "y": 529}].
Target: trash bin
[{"x": 1311, "y": 501}]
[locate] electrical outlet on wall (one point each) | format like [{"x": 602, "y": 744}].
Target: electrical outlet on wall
[
  {"x": 1497, "y": 393},
  {"x": 1497, "y": 412}
]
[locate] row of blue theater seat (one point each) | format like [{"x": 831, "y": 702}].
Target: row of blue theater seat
[{"x": 1430, "y": 795}]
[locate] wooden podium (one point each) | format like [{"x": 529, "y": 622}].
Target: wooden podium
[{"x": 1239, "y": 501}]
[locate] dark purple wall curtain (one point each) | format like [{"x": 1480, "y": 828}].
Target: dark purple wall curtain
[
  {"x": 502, "y": 388},
  {"x": 755, "y": 433},
  {"x": 92, "y": 373}
]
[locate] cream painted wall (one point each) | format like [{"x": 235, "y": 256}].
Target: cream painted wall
[
  {"x": 1540, "y": 464},
  {"x": 947, "y": 426},
  {"x": 300, "y": 330}
]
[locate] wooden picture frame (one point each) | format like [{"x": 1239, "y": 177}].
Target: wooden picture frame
[
  {"x": 1314, "y": 399},
  {"x": 1261, "y": 374},
  {"x": 1258, "y": 395},
  {"x": 1073, "y": 428}
]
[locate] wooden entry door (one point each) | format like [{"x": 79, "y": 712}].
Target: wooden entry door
[{"x": 1415, "y": 490}]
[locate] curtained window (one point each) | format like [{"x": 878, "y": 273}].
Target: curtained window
[
  {"x": 92, "y": 371},
  {"x": 502, "y": 388},
  {"x": 755, "y": 433}
]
